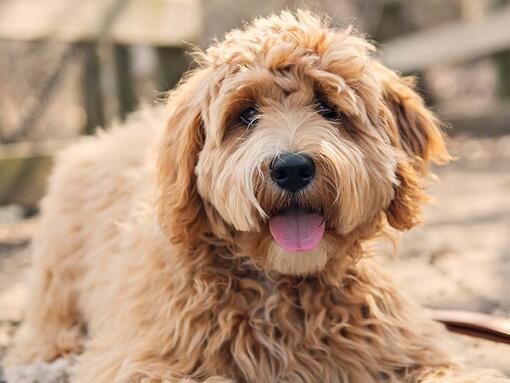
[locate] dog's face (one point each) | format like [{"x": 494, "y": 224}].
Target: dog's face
[{"x": 294, "y": 141}]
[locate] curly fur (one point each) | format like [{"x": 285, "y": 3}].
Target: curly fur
[{"x": 154, "y": 253}]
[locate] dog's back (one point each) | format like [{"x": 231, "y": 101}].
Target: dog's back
[{"x": 75, "y": 251}]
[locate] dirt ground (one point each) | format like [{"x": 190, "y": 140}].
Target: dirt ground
[{"x": 458, "y": 259}]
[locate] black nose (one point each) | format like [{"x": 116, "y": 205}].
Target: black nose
[{"x": 292, "y": 171}]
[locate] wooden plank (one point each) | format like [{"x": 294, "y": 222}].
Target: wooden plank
[
  {"x": 158, "y": 22},
  {"x": 151, "y": 22},
  {"x": 25, "y": 167},
  {"x": 30, "y": 20},
  {"x": 449, "y": 43},
  {"x": 62, "y": 20}
]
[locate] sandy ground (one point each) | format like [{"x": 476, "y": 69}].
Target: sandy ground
[{"x": 459, "y": 258}]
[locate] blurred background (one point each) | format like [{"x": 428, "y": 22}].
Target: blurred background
[{"x": 68, "y": 67}]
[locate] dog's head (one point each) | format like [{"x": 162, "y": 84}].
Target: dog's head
[{"x": 293, "y": 140}]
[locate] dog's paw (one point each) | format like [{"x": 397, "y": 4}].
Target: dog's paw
[
  {"x": 54, "y": 372},
  {"x": 215, "y": 379}
]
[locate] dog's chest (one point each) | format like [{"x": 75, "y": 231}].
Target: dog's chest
[{"x": 277, "y": 337}]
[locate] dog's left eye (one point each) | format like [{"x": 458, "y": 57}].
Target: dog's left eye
[
  {"x": 327, "y": 111},
  {"x": 249, "y": 116}
]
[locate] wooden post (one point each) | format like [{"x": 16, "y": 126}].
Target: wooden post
[
  {"x": 125, "y": 94},
  {"x": 424, "y": 89},
  {"x": 393, "y": 21},
  {"x": 172, "y": 62},
  {"x": 503, "y": 65},
  {"x": 91, "y": 87}
]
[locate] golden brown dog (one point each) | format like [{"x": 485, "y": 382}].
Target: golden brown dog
[{"x": 228, "y": 247}]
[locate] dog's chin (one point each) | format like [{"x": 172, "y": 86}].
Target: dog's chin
[
  {"x": 297, "y": 263},
  {"x": 297, "y": 245}
]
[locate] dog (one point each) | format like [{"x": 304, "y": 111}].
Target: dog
[{"x": 228, "y": 246}]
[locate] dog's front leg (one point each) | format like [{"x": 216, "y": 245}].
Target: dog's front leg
[
  {"x": 98, "y": 365},
  {"x": 121, "y": 377}
]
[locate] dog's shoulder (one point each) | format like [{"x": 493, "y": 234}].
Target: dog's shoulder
[
  {"x": 122, "y": 141},
  {"x": 108, "y": 168}
]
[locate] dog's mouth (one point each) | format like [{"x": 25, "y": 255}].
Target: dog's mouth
[{"x": 296, "y": 229}]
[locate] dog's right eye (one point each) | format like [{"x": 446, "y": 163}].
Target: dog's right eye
[
  {"x": 249, "y": 116},
  {"x": 327, "y": 111}
]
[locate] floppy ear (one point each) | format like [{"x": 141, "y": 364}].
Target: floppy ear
[
  {"x": 180, "y": 207},
  {"x": 417, "y": 132}
]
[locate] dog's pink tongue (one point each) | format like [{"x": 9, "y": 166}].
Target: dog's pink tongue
[{"x": 297, "y": 230}]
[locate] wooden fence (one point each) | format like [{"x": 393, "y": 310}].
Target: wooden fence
[{"x": 85, "y": 26}]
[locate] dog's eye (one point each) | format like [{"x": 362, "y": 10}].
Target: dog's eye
[
  {"x": 249, "y": 116},
  {"x": 327, "y": 111}
]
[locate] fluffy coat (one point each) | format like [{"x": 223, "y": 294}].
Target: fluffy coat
[{"x": 154, "y": 261}]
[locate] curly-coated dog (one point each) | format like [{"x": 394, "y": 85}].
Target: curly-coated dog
[{"x": 228, "y": 246}]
